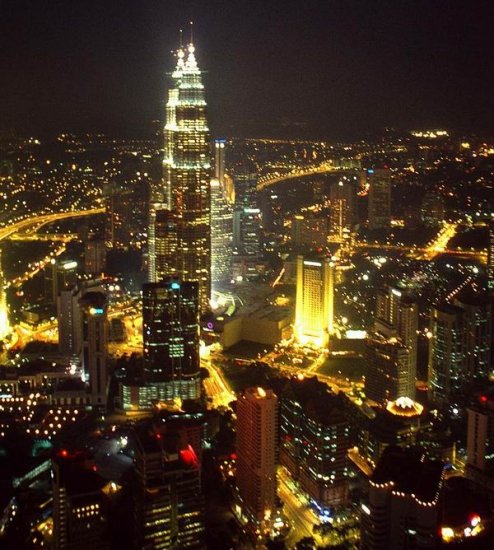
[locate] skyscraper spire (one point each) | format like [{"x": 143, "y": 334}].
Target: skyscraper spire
[{"x": 185, "y": 188}]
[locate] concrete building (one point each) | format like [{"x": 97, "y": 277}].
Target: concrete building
[
  {"x": 95, "y": 256},
  {"x": 315, "y": 300},
  {"x": 257, "y": 423},
  {"x": 480, "y": 441}
]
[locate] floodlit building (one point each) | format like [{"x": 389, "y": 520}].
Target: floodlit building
[
  {"x": 490, "y": 257},
  {"x": 185, "y": 189},
  {"x": 171, "y": 339},
  {"x": 221, "y": 233},
  {"x": 257, "y": 417},
  {"x": 315, "y": 300}
]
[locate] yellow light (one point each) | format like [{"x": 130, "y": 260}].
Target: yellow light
[
  {"x": 261, "y": 392},
  {"x": 447, "y": 534}
]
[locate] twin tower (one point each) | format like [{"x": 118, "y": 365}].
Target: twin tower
[{"x": 180, "y": 208}]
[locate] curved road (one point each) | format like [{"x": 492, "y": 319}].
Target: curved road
[{"x": 38, "y": 221}]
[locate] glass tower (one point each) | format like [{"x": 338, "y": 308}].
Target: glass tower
[
  {"x": 185, "y": 189},
  {"x": 171, "y": 339}
]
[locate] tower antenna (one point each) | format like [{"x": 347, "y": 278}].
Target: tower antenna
[
  {"x": 191, "y": 32},
  {"x": 181, "y": 41}
]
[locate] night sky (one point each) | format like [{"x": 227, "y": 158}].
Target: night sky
[{"x": 307, "y": 68}]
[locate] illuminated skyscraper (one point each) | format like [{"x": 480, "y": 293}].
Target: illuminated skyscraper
[
  {"x": 490, "y": 257},
  {"x": 219, "y": 160},
  {"x": 4, "y": 315},
  {"x": 314, "y": 304},
  {"x": 379, "y": 198},
  {"x": 342, "y": 216},
  {"x": 171, "y": 339},
  {"x": 257, "y": 413},
  {"x": 221, "y": 234},
  {"x": 186, "y": 164}
]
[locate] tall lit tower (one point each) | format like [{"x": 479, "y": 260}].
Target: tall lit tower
[
  {"x": 314, "y": 303},
  {"x": 186, "y": 166},
  {"x": 4, "y": 316}
]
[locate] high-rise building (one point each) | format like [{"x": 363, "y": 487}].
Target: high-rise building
[
  {"x": 221, "y": 233},
  {"x": 69, "y": 322},
  {"x": 315, "y": 300},
  {"x": 379, "y": 181},
  {"x": 168, "y": 505},
  {"x": 187, "y": 164},
  {"x": 95, "y": 256},
  {"x": 432, "y": 210},
  {"x": 245, "y": 183},
  {"x": 445, "y": 351},
  {"x": 342, "y": 215},
  {"x": 480, "y": 440},
  {"x": 397, "y": 316},
  {"x": 403, "y": 502},
  {"x": 309, "y": 231},
  {"x": 477, "y": 334},
  {"x": 165, "y": 244},
  {"x": 171, "y": 339},
  {"x": 314, "y": 440},
  {"x": 247, "y": 232},
  {"x": 388, "y": 375},
  {"x": 257, "y": 413},
  {"x": 59, "y": 275},
  {"x": 94, "y": 352},
  {"x": 80, "y": 516},
  {"x": 490, "y": 257},
  {"x": 4, "y": 314},
  {"x": 219, "y": 160}
]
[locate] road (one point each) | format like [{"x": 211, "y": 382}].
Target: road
[
  {"x": 296, "y": 509},
  {"x": 217, "y": 388},
  {"x": 32, "y": 224}
]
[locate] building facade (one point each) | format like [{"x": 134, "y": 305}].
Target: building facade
[
  {"x": 257, "y": 418},
  {"x": 379, "y": 181},
  {"x": 171, "y": 339}
]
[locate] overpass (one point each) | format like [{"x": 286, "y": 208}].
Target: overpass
[
  {"x": 32, "y": 224},
  {"x": 323, "y": 168}
]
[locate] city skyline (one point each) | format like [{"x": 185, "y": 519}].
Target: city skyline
[{"x": 101, "y": 67}]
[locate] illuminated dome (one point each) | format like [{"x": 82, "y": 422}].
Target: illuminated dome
[{"x": 404, "y": 406}]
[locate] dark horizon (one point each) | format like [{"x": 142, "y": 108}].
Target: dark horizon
[{"x": 318, "y": 70}]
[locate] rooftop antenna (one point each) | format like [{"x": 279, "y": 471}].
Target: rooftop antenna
[
  {"x": 191, "y": 32},
  {"x": 181, "y": 41}
]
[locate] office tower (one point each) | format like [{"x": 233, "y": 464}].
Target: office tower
[
  {"x": 247, "y": 232},
  {"x": 257, "y": 411},
  {"x": 314, "y": 302},
  {"x": 185, "y": 190},
  {"x": 432, "y": 210},
  {"x": 245, "y": 184},
  {"x": 379, "y": 198},
  {"x": 95, "y": 256},
  {"x": 314, "y": 440},
  {"x": 168, "y": 505},
  {"x": 171, "y": 339},
  {"x": 309, "y": 231},
  {"x": 388, "y": 375},
  {"x": 59, "y": 275},
  {"x": 403, "y": 510},
  {"x": 342, "y": 214},
  {"x": 4, "y": 314},
  {"x": 445, "y": 351},
  {"x": 93, "y": 307},
  {"x": 490, "y": 257},
  {"x": 221, "y": 233},
  {"x": 397, "y": 315},
  {"x": 69, "y": 322},
  {"x": 477, "y": 334},
  {"x": 162, "y": 243},
  {"x": 480, "y": 440},
  {"x": 219, "y": 160},
  {"x": 80, "y": 517}
]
